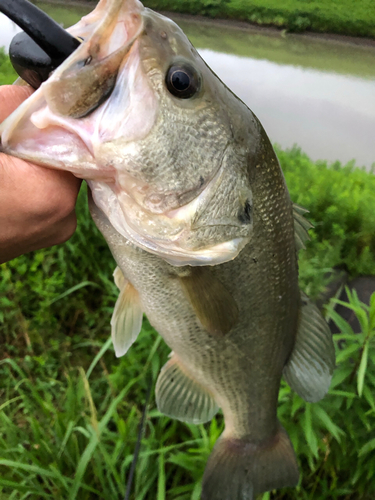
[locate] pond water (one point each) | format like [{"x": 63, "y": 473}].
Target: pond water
[{"x": 319, "y": 94}]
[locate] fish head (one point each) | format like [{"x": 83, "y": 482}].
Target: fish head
[{"x": 161, "y": 141}]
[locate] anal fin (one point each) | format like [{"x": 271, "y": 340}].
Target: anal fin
[
  {"x": 126, "y": 321},
  {"x": 311, "y": 364},
  {"x": 179, "y": 396},
  {"x": 213, "y": 304}
]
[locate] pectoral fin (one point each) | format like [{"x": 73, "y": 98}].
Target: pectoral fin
[
  {"x": 127, "y": 316},
  {"x": 179, "y": 396},
  {"x": 310, "y": 366},
  {"x": 213, "y": 304},
  {"x": 301, "y": 226}
]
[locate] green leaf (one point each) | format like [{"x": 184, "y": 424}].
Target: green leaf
[
  {"x": 367, "y": 448},
  {"x": 340, "y": 322},
  {"x": 15, "y": 486},
  {"x": 99, "y": 356},
  {"x": 309, "y": 431},
  {"x": 372, "y": 312},
  {"x": 340, "y": 375},
  {"x": 348, "y": 351},
  {"x": 297, "y": 404},
  {"x": 161, "y": 478},
  {"x": 369, "y": 396},
  {"x": 196, "y": 495},
  {"x": 71, "y": 290},
  {"x": 332, "y": 428},
  {"x": 362, "y": 369}
]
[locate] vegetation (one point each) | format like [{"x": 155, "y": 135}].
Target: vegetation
[
  {"x": 69, "y": 409},
  {"x": 347, "y": 17},
  {"x": 341, "y": 203},
  {"x": 7, "y": 73},
  {"x": 356, "y": 59}
]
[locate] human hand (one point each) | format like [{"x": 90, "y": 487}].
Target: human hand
[{"x": 36, "y": 204}]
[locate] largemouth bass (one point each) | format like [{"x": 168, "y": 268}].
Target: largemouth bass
[{"x": 188, "y": 192}]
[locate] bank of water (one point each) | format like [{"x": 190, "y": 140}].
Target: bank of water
[{"x": 317, "y": 93}]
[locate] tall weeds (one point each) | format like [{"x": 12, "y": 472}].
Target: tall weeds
[{"x": 69, "y": 410}]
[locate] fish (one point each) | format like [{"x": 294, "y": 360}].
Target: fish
[{"x": 188, "y": 192}]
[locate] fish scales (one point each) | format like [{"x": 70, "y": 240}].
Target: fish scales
[
  {"x": 261, "y": 279},
  {"x": 188, "y": 192}
]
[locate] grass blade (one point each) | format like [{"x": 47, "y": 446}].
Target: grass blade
[{"x": 362, "y": 369}]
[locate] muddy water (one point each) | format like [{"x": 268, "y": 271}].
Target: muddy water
[{"x": 319, "y": 94}]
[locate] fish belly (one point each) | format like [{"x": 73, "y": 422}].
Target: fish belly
[{"x": 242, "y": 369}]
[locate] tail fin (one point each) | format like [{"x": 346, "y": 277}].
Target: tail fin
[{"x": 239, "y": 470}]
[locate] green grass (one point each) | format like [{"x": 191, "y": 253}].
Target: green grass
[
  {"x": 70, "y": 410},
  {"x": 355, "y": 59},
  {"x": 347, "y": 17},
  {"x": 7, "y": 73},
  {"x": 342, "y": 208},
  {"x": 348, "y": 59}
]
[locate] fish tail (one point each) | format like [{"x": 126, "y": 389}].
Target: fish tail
[{"x": 239, "y": 469}]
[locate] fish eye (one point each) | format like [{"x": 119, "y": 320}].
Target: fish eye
[{"x": 182, "y": 81}]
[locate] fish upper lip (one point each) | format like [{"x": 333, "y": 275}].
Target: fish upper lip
[{"x": 90, "y": 28}]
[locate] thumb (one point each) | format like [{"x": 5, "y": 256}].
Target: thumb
[{"x": 11, "y": 96}]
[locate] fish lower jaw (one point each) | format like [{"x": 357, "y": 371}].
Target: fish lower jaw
[
  {"x": 176, "y": 254},
  {"x": 170, "y": 239},
  {"x": 218, "y": 254}
]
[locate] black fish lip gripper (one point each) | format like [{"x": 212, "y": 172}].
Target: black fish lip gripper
[{"x": 41, "y": 47}]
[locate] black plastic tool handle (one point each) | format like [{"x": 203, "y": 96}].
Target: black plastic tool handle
[
  {"x": 48, "y": 34},
  {"x": 41, "y": 47}
]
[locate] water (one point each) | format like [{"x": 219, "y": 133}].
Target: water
[
  {"x": 319, "y": 94},
  {"x": 7, "y": 31},
  {"x": 328, "y": 115}
]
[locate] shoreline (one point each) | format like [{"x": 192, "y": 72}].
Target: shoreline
[
  {"x": 266, "y": 30},
  {"x": 242, "y": 25}
]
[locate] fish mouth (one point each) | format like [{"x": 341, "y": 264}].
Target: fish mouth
[
  {"x": 80, "y": 85},
  {"x": 105, "y": 47},
  {"x": 72, "y": 122}
]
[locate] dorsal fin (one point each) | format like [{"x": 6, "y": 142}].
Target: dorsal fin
[{"x": 301, "y": 226}]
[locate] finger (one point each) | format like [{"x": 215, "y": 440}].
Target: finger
[
  {"x": 11, "y": 96},
  {"x": 59, "y": 233},
  {"x": 51, "y": 193},
  {"x": 37, "y": 206}
]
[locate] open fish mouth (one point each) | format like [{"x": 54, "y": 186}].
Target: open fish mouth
[
  {"x": 45, "y": 128},
  {"x": 99, "y": 112}
]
